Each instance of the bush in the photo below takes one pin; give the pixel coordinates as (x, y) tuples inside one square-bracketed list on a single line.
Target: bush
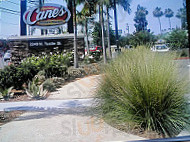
[(142, 38), (177, 39), (184, 53), (49, 85), (143, 89), (36, 91), (92, 69), (52, 65), (75, 72), (58, 81), (16, 76)]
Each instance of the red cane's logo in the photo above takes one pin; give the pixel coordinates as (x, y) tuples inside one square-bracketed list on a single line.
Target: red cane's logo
[(50, 15)]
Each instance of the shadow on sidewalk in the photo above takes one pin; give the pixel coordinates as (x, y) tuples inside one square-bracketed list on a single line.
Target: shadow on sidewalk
[(41, 112)]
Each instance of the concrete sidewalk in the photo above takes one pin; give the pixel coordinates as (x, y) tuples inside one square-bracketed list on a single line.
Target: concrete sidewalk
[(43, 105), (62, 118)]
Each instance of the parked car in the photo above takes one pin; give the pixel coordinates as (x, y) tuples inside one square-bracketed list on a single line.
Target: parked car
[(160, 48), (93, 49), (7, 55)]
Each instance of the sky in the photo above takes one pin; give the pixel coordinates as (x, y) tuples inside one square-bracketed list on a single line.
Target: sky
[(9, 23)]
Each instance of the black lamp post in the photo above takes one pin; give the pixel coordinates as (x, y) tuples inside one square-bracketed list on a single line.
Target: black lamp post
[(116, 27), (188, 22), (22, 24)]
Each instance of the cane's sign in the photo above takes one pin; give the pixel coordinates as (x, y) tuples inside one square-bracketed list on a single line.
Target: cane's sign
[(48, 16)]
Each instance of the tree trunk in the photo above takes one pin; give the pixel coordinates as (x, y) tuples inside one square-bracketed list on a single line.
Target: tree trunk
[(188, 21), (70, 27), (108, 32), (160, 25), (75, 36), (103, 40), (86, 33)]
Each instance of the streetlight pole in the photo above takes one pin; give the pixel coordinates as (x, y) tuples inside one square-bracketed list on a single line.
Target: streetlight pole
[(116, 26), (188, 22), (23, 30), (41, 2)]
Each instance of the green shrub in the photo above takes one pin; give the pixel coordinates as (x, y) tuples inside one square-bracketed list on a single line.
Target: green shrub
[(36, 91), (184, 53), (6, 93), (16, 76), (177, 39), (92, 69), (58, 81), (54, 65), (49, 85), (75, 72), (143, 89)]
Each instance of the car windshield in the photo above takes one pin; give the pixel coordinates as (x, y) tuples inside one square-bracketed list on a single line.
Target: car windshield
[(7, 55), (161, 47), (99, 48)]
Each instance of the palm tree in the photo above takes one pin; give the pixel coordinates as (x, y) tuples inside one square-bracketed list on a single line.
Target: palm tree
[(168, 14), (182, 15), (102, 28), (126, 5), (140, 19), (158, 13), (74, 3), (108, 31), (107, 4), (83, 18)]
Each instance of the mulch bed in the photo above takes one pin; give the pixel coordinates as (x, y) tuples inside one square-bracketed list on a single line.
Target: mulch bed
[(17, 98), (9, 116), (20, 96)]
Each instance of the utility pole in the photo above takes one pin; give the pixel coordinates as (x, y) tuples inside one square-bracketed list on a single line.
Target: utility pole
[(23, 30), (116, 26), (70, 27), (188, 22), (41, 2)]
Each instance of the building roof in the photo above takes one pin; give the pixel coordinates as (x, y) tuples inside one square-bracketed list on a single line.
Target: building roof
[(41, 37)]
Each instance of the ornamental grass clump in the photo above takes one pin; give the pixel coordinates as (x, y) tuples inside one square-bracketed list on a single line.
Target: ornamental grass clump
[(143, 89)]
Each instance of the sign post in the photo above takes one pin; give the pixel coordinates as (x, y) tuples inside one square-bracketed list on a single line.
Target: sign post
[(22, 23)]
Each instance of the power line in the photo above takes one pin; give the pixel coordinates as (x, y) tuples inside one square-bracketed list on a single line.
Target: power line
[(11, 2), (9, 10)]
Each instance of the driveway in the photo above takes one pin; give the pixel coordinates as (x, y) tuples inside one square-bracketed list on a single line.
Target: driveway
[(67, 116)]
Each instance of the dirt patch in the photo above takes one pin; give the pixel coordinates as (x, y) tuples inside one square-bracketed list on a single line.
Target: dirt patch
[(135, 131), (9, 116)]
